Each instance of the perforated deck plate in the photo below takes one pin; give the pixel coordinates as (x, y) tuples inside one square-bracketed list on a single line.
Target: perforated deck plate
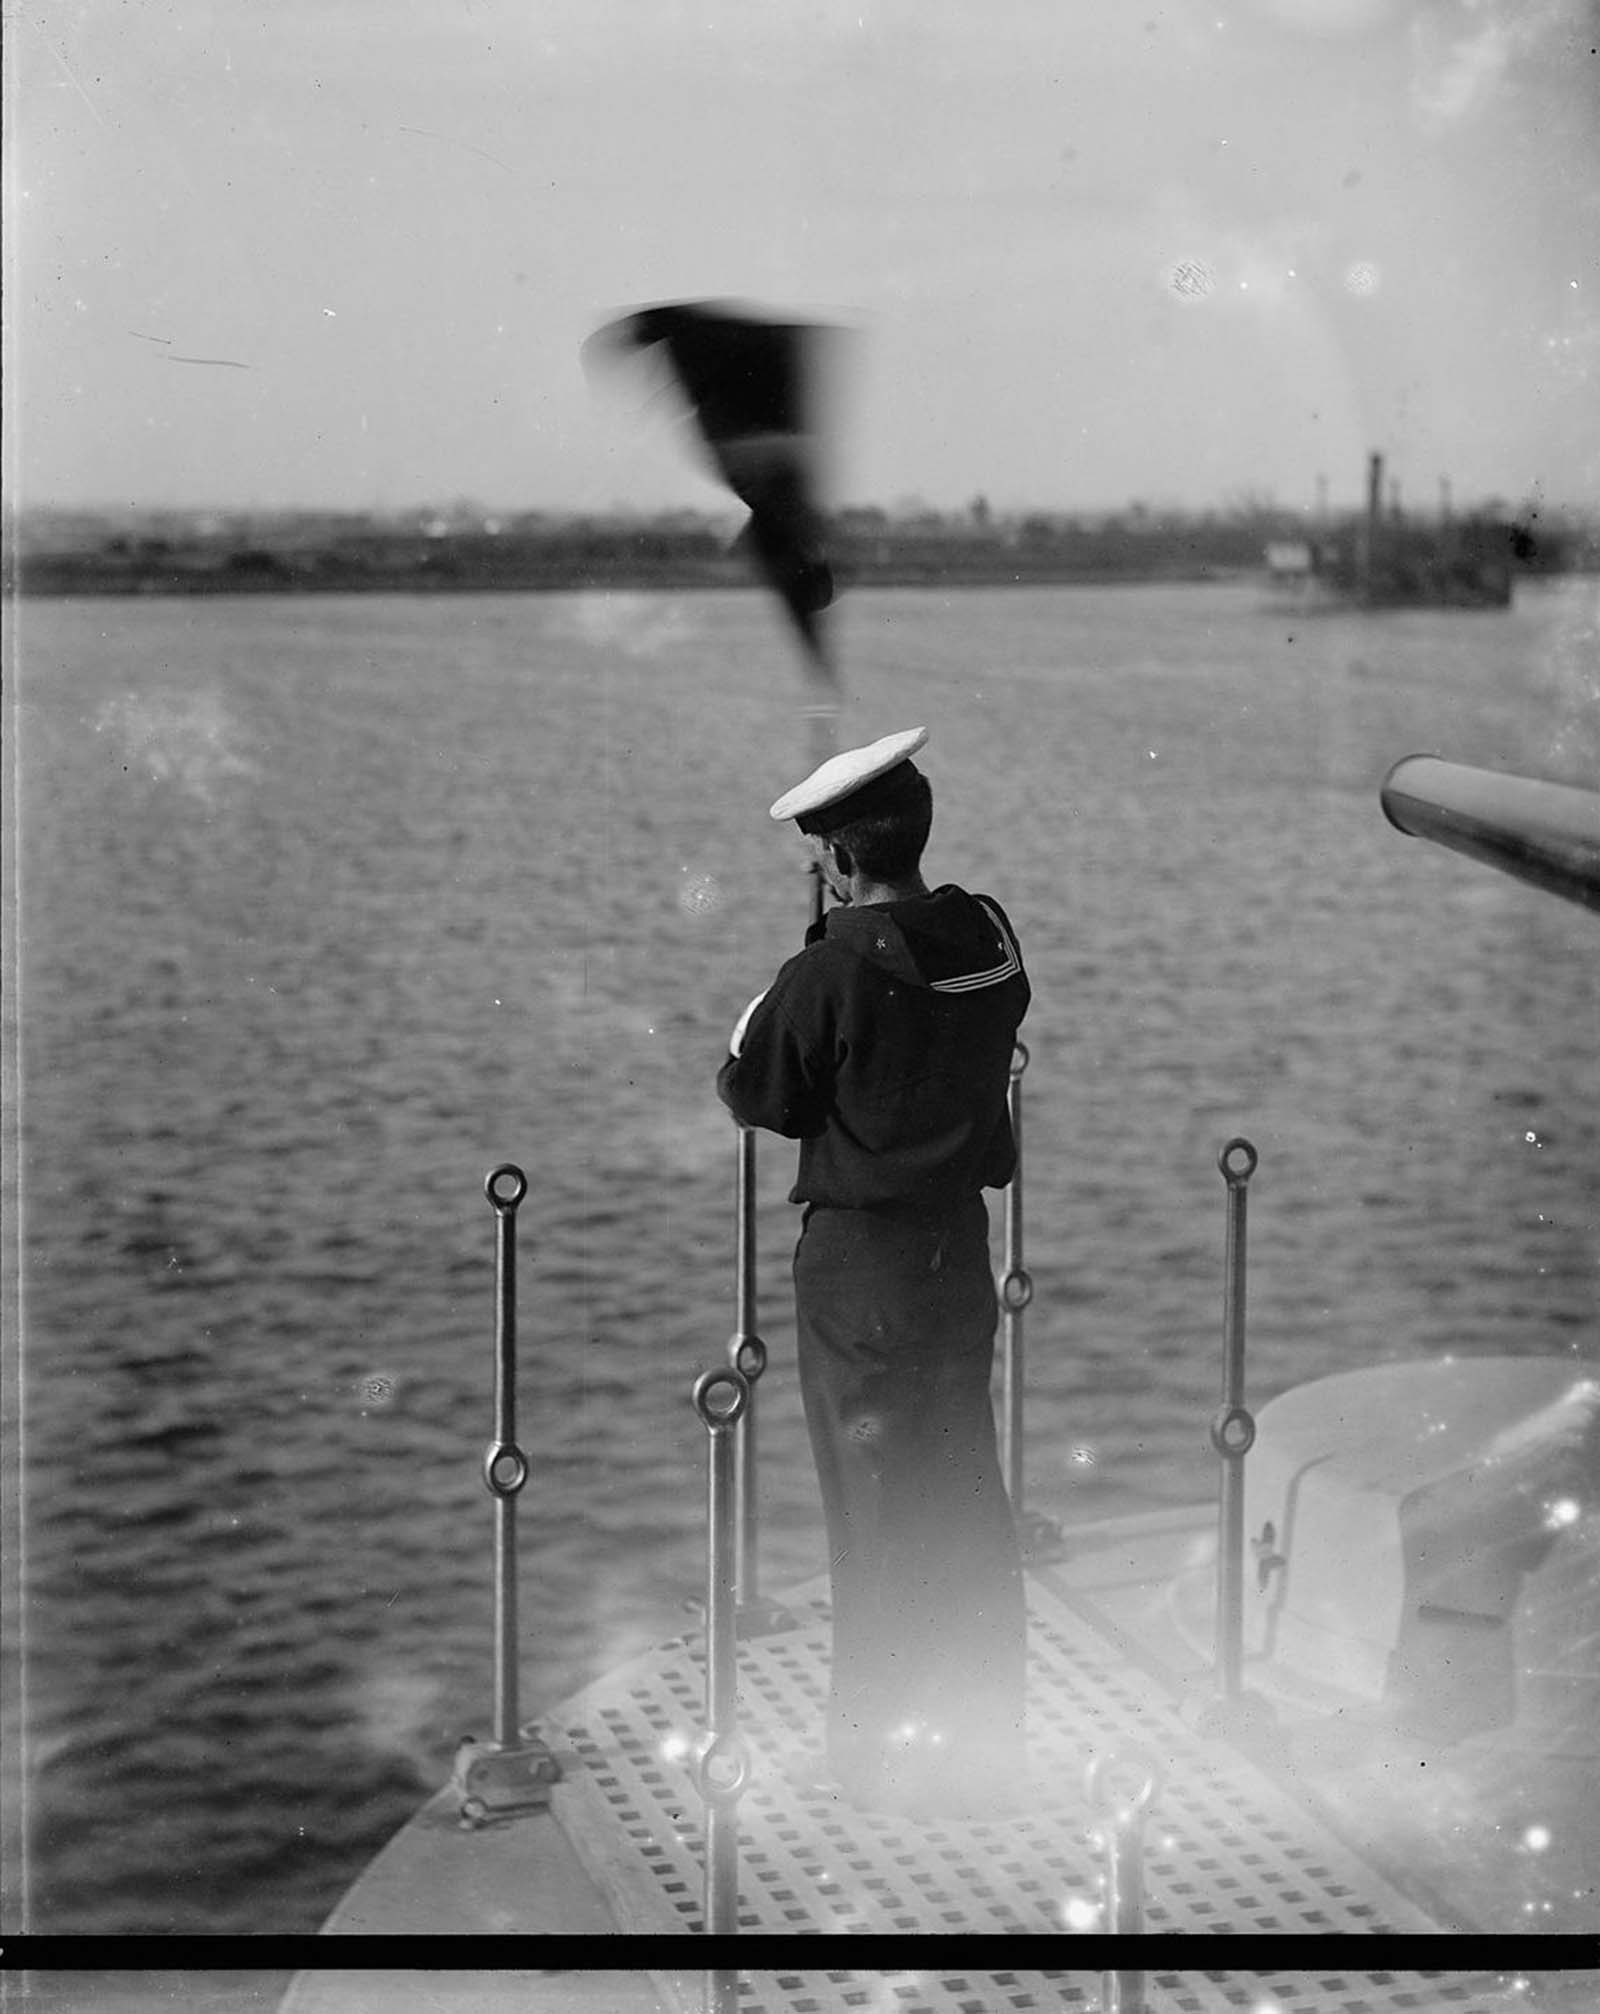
[(952, 1991), (1226, 1851)]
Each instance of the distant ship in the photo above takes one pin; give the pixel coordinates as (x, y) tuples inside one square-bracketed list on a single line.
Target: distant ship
[(1386, 560)]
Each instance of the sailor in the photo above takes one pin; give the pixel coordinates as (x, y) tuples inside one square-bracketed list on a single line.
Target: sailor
[(885, 1048)]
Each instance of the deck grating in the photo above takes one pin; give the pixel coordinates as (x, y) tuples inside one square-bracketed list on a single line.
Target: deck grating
[(934, 1991), (1227, 1852)]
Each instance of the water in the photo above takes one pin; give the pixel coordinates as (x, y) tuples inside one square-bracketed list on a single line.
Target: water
[(329, 905)]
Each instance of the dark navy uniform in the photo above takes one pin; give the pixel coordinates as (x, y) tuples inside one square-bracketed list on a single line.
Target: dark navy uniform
[(885, 1048)]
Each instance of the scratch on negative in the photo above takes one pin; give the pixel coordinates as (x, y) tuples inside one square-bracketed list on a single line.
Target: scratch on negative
[(72, 75), (450, 141), (225, 363)]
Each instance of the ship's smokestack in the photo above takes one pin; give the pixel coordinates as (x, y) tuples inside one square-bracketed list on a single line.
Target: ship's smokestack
[(1367, 542)]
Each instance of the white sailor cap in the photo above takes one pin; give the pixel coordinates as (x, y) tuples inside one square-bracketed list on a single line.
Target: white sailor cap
[(828, 797)]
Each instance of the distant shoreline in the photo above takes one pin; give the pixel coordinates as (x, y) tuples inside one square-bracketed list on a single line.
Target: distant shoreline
[(43, 582), (268, 555)]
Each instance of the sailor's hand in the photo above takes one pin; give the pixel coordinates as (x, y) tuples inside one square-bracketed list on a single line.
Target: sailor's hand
[(736, 1039)]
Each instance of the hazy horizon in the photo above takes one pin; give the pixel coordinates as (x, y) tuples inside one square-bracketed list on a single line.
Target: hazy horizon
[(344, 255), (730, 513)]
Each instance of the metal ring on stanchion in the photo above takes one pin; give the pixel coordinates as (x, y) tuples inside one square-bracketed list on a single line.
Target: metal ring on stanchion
[(708, 1382), (499, 1485), (1233, 1432), (491, 1186), (722, 1767), (723, 1763), (749, 1357), (1120, 1814)]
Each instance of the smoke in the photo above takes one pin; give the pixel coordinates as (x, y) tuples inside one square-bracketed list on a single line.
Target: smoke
[(186, 739), (1329, 17), (1453, 81), (1464, 52), (1554, 1434), (637, 624), (393, 1712)]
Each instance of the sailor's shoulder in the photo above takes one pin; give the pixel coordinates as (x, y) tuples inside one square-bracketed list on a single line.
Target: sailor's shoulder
[(1000, 922), (816, 969), (990, 902)]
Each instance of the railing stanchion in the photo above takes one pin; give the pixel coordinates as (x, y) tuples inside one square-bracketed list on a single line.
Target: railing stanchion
[(505, 1465), (1120, 1817), (721, 1993), (1039, 1536), (513, 1773), (747, 1353), (722, 1760), (1016, 1291), (1233, 1428), (1232, 1711)]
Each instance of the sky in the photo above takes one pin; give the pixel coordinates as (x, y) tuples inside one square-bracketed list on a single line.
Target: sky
[(344, 253)]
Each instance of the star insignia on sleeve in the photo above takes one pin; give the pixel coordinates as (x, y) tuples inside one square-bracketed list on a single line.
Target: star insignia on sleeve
[(883, 943)]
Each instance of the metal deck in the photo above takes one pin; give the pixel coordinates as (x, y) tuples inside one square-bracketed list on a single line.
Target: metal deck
[(943, 1989), (1335, 1836), (1228, 1852), (954, 1991)]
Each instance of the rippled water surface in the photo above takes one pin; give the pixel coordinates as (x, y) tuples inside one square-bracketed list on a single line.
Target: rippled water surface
[(328, 905)]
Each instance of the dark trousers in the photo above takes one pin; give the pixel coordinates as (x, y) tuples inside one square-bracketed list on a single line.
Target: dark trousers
[(896, 1324)]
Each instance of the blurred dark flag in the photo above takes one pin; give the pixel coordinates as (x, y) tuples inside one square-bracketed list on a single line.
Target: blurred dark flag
[(754, 387)]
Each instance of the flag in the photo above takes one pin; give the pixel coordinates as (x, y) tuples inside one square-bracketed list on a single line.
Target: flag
[(753, 386)]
